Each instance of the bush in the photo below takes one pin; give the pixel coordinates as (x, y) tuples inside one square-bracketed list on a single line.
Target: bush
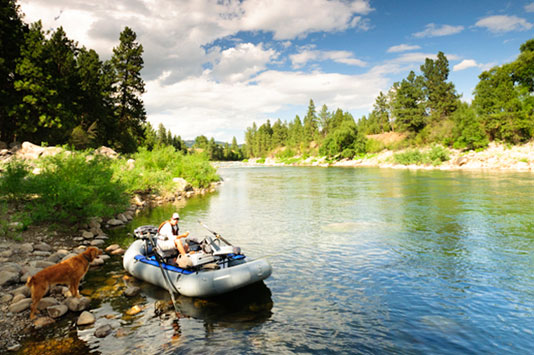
[(14, 182), (285, 154), (410, 156), (435, 156)]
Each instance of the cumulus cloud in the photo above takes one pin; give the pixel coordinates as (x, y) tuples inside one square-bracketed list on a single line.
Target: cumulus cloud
[(308, 54), (402, 48), (503, 23), (529, 7), (432, 30), (465, 64)]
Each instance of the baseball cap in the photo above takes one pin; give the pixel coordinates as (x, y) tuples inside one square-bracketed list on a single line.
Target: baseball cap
[(175, 216)]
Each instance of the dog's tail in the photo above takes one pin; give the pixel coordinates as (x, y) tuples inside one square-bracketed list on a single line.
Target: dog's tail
[(30, 282)]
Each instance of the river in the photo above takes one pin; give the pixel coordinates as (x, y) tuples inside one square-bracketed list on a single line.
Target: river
[(364, 261)]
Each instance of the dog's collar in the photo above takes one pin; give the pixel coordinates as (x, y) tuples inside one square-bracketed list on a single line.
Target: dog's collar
[(88, 258)]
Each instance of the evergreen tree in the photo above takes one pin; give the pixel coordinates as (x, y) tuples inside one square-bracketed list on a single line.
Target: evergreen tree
[(162, 134), (441, 96), (151, 137), (295, 132), (128, 62), (381, 112), (310, 123), (280, 134), (324, 120), (408, 105)]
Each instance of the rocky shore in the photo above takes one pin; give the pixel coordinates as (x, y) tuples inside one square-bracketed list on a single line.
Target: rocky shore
[(37, 248), (496, 157)]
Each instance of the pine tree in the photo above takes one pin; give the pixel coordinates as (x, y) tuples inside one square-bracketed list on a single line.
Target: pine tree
[(408, 106), (310, 123), (441, 96)]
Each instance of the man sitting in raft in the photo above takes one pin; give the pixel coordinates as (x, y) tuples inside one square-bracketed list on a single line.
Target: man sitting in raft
[(170, 241)]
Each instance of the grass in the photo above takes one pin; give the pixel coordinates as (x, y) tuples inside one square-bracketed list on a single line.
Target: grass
[(435, 156), (74, 186)]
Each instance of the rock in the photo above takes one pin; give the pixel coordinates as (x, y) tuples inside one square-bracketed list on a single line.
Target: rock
[(51, 151), (6, 298), (78, 239), (87, 235), (102, 237), (461, 161), (68, 256), (12, 267), (30, 151), (130, 164), (134, 310), (77, 304), (129, 215), (6, 253), (26, 248), (20, 306), (41, 264), (94, 223), (42, 322), (97, 242), (57, 311), (18, 297), (56, 257), (108, 152), (122, 217), (15, 226), (97, 231), (182, 185), (97, 262), (115, 222), (86, 318), (42, 247), (138, 201), (8, 278), (112, 247), (22, 290), (46, 302), (104, 257), (103, 331), (41, 253), (132, 291), (14, 347), (119, 251)]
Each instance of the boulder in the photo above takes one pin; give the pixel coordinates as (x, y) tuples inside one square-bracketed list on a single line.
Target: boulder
[(12, 267), (18, 297), (51, 151), (22, 290), (46, 302), (77, 304), (103, 331), (132, 291), (6, 298), (182, 185), (107, 152), (8, 278), (56, 257), (68, 256), (461, 161), (119, 251), (57, 311), (26, 247), (42, 322), (20, 306), (86, 318), (112, 247), (115, 222), (42, 247), (97, 242), (41, 264), (87, 235), (30, 151)]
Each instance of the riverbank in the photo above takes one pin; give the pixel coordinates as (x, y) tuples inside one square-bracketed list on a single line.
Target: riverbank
[(495, 157)]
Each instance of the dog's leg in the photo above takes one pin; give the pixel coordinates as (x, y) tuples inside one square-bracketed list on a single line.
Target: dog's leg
[(37, 294)]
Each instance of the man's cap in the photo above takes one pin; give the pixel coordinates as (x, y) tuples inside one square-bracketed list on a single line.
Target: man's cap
[(175, 216)]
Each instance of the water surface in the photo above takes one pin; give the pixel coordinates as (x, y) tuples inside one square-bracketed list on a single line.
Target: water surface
[(364, 261)]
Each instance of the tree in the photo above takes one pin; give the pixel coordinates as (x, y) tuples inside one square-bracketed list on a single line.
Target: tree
[(381, 112), (280, 134), (441, 96), (468, 131), (12, 31), (324, 120), (408, 105), (128, 62), (295, 132), (310, 123), (346, 140)]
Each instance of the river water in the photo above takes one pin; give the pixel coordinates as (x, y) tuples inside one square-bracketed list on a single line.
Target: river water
[(364, 261)]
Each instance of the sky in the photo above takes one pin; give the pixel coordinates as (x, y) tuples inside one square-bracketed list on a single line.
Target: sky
[(213, 67)]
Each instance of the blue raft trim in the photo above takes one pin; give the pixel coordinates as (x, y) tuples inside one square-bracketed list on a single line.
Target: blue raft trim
[(143, 259)]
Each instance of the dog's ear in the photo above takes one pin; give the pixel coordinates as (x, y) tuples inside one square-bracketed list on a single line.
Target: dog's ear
[(93, 252)]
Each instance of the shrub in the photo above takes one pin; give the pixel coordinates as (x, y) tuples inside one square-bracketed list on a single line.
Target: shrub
[(408, 157), (14, 183), (437, 155)]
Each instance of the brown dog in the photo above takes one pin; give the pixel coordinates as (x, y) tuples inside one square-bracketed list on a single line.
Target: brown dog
[(68, 272)]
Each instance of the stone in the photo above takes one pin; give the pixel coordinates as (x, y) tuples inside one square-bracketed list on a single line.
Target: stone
[(30, 151), (56, 257), (12, 267), (8, 278), (182, 185), (86, 318), (46, 302), (130, 164), (42, 247), (76, 304), (119, 251), (461, 161), (14, 347), (94, 223), (115, 222), (57, 311), (87, 235), (23, 290), (20, 306), (6, 253), (78, 239), (41, 253), (103, 331), (102, 237), (108, 152), (18, 297), (104, 257), (122, 217), (68, 256), (42, 322), (97, 242), (41, 264), (6, 298), (112, 247), (26, 248), (129, 215), (132, 291), (97, 262), (15, 226)]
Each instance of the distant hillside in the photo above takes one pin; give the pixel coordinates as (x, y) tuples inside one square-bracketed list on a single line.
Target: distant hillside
[(191, 142)]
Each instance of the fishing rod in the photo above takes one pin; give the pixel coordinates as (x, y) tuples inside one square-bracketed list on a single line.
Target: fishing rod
[(217, 235)]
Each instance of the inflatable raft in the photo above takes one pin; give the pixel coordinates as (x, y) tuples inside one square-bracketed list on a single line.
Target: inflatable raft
[(216, 269)]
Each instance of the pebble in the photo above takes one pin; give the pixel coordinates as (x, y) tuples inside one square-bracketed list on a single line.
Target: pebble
[(97, 242), (57, 311), (86, 318), (87, 235), (103, 331)]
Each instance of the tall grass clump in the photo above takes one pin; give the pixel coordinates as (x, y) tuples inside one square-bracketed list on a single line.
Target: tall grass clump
[(154, 170), (69, 187)]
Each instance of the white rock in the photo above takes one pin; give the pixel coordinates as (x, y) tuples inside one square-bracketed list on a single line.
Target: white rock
[(112, 247), (86, 318), (87, 235), (115, 222), (42, 322), (97, 242)]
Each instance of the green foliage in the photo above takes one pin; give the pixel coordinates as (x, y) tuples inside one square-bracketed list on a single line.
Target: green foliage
[(374, 146), (468, 131), (346, 139), (13, 181), (435, 156), (408, 104), (285, 154), (260, 161)]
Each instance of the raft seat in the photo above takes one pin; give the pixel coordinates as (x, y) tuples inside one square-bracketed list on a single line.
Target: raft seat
[(152, 261)]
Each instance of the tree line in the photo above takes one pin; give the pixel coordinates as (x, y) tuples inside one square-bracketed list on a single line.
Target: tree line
[(425, 108), (54, 92)]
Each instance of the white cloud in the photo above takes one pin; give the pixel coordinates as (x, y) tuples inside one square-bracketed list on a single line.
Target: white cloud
[(465, 64), (308, 55), (529, 7), (431, 30), (402, 48), (503, 23)]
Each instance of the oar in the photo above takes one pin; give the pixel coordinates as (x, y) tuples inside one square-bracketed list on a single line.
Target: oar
[(165, 276), (217, 235)]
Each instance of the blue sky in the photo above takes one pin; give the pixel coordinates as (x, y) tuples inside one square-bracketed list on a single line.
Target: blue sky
[(213, 67)]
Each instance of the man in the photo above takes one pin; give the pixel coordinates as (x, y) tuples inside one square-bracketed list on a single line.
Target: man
[(169, 239)]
